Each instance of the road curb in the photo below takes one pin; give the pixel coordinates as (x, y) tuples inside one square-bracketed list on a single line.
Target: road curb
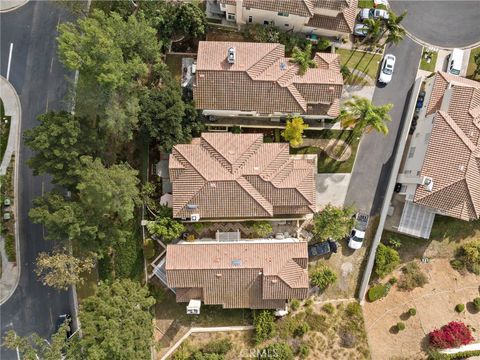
[(428, 45), (16, 6), (15, 191)]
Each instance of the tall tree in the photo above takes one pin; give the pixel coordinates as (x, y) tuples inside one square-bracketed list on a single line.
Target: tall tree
[(333, 222), (396, 33), (476, 60), (116, 323), (190, 19), (33, 347), (375, 29), (61, 270), (99, 213), (113, 50), (166, 228), (362, 115), (58, 143), (294, 130), (303, 58)]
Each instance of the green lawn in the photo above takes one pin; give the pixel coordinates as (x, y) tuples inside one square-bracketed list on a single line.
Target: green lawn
[(325, 163), (174, 63), (447, 234), (359, 60), (365, 4), (471, 63), (431, 65), (4, 129)]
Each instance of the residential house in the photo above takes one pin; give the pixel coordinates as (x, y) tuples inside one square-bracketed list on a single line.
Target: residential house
[(237, 176), (320, 17), (441, 173), (248, 274), (258, 80)]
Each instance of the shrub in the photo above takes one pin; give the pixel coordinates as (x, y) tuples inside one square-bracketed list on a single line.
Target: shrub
[(303, 351), (345, 71), (412, 311), (220, 347), (376, 292), (301, 329), (148, 248), (323, 44), (190, 237), (128, 258), (457, 264), (262, 228), (454, 334), (294, 304), (317, 322), (308, 303), (394, 243), (277, 351), (412, 277), (10, 248), (323, 276), (236, 130), (328, 308), (476, 303), (347, 338), (469, 254), (264, 326), (354, 310), (459, 308), (400, 326), (393, 280), (386, 260)]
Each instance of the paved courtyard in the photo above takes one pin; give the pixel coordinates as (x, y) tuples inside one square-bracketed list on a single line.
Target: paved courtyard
[(331, 189)]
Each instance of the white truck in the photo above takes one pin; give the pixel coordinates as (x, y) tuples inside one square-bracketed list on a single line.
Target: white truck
[(357, 235)]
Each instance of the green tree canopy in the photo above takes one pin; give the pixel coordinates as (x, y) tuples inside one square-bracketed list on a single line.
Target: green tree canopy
[(116, 323), (166, 228), (362, 115), (262, 228), (396, 33), (99, 213), (58, 143), (33, 347), (303, 58), (113, 50), (294, 130), (333, 222)]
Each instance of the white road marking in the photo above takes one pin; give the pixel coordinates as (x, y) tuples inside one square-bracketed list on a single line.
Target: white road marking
[(51, 65), (9, 60)]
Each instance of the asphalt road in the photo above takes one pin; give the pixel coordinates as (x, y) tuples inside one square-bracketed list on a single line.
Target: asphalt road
[(445, 24), (41, 83), (374, 160)]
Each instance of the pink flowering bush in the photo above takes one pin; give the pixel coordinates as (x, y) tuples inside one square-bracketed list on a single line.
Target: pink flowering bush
[(452, 335)]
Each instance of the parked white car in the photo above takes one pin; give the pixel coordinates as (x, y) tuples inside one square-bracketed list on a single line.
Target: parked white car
[(373, 14), (360, 30), (355, 240), (386, 71)]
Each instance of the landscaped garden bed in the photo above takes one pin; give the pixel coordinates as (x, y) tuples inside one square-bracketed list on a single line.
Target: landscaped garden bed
[(4, 129), (429, 60), (471, 63)]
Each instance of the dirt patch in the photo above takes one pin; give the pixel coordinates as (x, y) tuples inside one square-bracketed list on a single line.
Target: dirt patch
[(435, 304)]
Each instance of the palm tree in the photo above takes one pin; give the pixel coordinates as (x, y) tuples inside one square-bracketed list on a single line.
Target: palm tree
[(303, 58), (374, 30), (396, 33), (363, 116)]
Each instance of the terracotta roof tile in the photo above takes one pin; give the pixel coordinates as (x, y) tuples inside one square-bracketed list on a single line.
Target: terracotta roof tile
[(343, 22), (239, 275), (452, 159), (224, 175), (260, 69)]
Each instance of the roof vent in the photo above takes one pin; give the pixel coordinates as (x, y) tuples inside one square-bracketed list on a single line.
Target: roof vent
[(428, 183), (213, 185), (461, 168), (283, 66), (231, 55), (274, 281), (192, 206), (331, 88), (218, 275), (236, 262), (256, 168)]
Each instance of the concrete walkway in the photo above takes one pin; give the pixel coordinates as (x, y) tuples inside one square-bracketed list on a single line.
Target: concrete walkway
[(12, 106), (10, 5), (9, 274)]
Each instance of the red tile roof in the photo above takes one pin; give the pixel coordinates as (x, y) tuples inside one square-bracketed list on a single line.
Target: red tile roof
[(452, 159), (343, 22), (224, 175), (263, 80), (257, 275)]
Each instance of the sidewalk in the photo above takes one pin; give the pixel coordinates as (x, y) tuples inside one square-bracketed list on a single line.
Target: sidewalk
[(10, 5), (12, 106), (10, 271)]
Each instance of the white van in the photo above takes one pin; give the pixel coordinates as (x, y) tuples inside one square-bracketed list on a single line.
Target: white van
[(455, 60)]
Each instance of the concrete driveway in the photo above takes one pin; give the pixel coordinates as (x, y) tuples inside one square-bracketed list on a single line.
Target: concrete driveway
[(331, 189), (445, 24)]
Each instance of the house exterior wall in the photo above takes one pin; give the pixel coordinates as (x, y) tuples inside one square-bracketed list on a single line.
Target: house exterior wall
[(238, 113), (321, 32)]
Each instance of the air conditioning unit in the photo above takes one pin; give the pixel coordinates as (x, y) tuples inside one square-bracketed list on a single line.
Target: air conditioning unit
[(195, 217), (193, 307), (427, 183)]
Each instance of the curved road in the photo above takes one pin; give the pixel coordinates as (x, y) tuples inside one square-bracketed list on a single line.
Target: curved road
[(444, 24), (41, 83)]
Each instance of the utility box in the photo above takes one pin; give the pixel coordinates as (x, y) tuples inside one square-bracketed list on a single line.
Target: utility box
[(193, 307)]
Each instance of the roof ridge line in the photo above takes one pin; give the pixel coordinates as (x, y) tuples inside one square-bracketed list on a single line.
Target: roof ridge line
[(458, 131), (471, 166), (244, 183)]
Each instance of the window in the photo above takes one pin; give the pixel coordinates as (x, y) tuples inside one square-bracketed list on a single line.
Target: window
[(250, 19), (283, 14), (287, 25), (411, 152), (266, 22), (231, 16)]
